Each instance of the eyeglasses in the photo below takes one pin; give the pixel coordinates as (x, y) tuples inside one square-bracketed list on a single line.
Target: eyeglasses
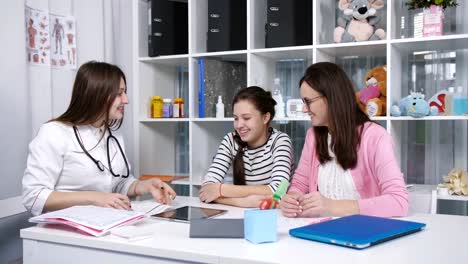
[(308, 102)]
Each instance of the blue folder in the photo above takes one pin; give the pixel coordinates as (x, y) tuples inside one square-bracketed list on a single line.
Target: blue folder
[(357, 231), (201, 89)]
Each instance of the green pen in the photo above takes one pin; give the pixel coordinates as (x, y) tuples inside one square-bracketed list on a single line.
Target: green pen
[(282, 188)]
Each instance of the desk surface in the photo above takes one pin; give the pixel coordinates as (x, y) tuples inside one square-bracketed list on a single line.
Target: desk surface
[(443, 241)]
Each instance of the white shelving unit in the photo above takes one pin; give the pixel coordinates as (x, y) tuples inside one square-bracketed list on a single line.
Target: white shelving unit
[(156, 140)]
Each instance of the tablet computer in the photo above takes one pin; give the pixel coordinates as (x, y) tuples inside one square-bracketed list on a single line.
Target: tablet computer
[(187, 213)]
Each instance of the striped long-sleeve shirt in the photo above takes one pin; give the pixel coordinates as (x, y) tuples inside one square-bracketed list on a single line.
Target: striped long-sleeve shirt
[(268, 164)]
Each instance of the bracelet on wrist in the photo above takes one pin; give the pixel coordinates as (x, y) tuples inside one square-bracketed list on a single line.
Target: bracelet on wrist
[(220, 193)]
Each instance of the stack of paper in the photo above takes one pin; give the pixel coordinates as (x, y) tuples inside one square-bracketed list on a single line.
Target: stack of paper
[(151, 207), (93, 220)]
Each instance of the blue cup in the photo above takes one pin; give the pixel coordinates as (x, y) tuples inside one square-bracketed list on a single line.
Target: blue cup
[(260, 226)]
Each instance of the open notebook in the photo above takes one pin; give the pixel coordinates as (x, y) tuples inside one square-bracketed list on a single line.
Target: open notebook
[(93, 220)]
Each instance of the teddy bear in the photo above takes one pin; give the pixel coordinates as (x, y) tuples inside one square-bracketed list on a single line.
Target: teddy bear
[(358, 21), (373, 98), (414, 105)]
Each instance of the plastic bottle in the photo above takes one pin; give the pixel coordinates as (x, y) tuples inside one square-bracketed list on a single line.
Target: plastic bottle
[(178, 107), (181, 107), (220, 108), (460, 102), (449, 101), (156, 107), (167, 108), (279, 107)]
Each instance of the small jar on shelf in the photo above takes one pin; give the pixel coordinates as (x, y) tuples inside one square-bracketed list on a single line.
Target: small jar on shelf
[(167, 108), (178, 108), (156, 107)]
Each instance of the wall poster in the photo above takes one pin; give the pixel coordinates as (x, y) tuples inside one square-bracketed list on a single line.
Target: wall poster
[(50, 39), (37, 37)]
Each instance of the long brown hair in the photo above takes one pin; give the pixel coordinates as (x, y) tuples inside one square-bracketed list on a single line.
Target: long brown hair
[(96, 86), (264, 103), (345, 118)]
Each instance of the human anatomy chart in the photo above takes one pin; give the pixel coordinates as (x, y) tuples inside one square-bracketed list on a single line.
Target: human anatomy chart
[(37, 37), (63, 41), (50, 39)]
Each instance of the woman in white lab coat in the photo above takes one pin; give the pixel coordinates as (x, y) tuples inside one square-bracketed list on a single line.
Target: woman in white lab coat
[(78, 158)]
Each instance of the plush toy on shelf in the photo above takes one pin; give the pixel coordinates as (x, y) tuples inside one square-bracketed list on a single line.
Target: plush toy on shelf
[(372, 99), (358, 21), (414, 105), (438, 100), (456, 182)]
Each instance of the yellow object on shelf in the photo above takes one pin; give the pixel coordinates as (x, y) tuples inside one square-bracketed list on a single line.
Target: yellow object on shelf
[(156, 107)]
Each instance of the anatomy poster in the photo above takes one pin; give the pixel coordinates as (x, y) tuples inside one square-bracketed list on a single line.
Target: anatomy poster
[(63, 41), (37, 37)]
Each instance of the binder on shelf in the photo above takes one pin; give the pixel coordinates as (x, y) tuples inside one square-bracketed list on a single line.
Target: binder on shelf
[(180, 19), (201, 89), (219, 78), (227, 25), (93, 220), (289, 23), (168, 26)]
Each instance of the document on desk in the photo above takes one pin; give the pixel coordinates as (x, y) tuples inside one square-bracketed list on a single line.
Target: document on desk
[(151, 207), (93, 220)]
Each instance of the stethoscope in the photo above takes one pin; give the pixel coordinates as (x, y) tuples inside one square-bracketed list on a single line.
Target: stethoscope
[(98, 162)]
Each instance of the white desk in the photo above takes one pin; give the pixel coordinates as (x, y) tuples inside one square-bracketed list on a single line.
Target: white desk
[(443, 241)]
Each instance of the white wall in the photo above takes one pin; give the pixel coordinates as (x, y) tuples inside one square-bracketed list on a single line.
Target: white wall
[(31, 95), (15, 115)]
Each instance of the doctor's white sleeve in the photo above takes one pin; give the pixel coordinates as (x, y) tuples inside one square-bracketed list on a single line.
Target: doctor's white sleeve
[(44, 164)]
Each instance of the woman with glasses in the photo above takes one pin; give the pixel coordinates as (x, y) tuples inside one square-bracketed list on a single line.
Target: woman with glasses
[(261, 156), (347, 164), (75, 159)]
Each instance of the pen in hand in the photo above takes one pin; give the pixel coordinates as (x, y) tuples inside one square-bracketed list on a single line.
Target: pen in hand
[(167, 196)]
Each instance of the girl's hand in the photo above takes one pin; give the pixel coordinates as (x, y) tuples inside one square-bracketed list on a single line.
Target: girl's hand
[(290, 204), (210, 192), (253, 201)]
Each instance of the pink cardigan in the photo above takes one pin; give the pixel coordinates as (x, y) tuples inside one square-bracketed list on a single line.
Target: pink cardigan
[(377, 176)]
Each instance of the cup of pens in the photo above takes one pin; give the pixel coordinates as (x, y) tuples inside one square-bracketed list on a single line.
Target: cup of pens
[(273, 202), (260, 225)]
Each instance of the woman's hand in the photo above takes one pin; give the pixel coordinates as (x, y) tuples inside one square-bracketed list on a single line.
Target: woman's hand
[(314, 205), (161, 192), (112, 200), (290, 204), (210, 192)]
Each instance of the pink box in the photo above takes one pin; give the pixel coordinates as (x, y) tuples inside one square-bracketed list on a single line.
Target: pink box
[(433, 18)]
